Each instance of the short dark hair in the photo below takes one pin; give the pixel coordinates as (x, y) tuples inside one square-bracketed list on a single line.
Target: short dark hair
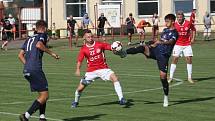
[(41, 23), (87, 31), (130, 14), (170, 17)]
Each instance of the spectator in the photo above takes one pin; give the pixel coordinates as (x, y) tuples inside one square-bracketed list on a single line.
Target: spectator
[(155, 27), (130, 27), (53, 31), (207, 23), (101, 23), (6, 34), (140, 29), (12, 21), (85, 22), (71, 30)]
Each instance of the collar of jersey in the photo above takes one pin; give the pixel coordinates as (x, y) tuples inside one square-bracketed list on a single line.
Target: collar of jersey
[(91, 45)]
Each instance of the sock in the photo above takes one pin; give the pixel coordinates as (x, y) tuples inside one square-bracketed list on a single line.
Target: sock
[(34, 107), (42, 116), (172, 70), (27, 115), (135, 50), (165, 85), (189, 70), (77, 96), (118, 89), (43, 109)]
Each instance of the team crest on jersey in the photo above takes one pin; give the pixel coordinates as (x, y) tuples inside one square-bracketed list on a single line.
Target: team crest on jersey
[(186, 28), (98, 50)]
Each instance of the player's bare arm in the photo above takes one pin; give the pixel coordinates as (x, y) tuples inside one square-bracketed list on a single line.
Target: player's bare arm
[(193, 37), (78, 67), (22, 56), (42, 47)]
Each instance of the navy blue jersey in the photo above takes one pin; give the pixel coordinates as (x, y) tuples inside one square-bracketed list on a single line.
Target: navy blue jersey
[(167, 35), (33, 55)]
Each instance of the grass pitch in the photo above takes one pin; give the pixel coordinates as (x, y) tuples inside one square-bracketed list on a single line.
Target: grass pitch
[(139, 79)]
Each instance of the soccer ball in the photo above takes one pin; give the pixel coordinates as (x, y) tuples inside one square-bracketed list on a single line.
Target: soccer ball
[(117, 46)]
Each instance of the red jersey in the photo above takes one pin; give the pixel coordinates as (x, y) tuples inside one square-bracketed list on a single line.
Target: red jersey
[(192, 17), (184, 33), (141, 24), (95, 55)]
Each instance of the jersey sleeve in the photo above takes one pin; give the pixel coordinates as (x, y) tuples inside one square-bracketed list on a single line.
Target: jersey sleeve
[(192, 27), (23, 46), (174, 35), (80, 55), (43, 38), (99, 19), (106, 46)]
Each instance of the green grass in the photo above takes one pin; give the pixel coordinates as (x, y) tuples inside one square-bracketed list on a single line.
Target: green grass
[(99, 103)]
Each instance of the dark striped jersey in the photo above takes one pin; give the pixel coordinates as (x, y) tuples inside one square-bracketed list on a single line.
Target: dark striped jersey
[(33, 55)]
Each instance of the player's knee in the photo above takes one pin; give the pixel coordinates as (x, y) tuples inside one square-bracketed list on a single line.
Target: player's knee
[(175, 60), (85, 82)]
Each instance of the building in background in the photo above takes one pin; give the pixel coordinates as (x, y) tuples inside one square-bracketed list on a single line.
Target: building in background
[(59, 10)]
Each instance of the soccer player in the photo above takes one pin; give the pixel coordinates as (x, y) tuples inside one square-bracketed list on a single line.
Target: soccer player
[(101, 23), (30, 55), (93, 51), (186, 37), (71, 30), (140, 29), (159, 50), (130, 27)]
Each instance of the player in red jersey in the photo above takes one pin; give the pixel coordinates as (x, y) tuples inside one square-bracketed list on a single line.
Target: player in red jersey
[(97, 67), (193, 16), (187, 32)]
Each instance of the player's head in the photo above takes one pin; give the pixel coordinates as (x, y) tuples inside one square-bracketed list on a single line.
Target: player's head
[(194, 10), (207, 14), (7, 22), (88, 37), (41, 26), (169, 20), (155, 15), (71, 17), (130, 15), (102, 14), (86, 15), (180, 17)]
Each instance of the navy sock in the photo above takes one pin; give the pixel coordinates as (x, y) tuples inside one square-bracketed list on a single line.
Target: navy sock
[(135, 50), (165, 85), (43, 109), (34, 107)]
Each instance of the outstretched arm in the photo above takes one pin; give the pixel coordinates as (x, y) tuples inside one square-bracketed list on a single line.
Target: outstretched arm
[(42, 47)]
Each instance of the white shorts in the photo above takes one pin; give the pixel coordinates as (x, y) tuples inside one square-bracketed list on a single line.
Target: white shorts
[(182, 50), (207, 31), (104, 74), (140, 31)]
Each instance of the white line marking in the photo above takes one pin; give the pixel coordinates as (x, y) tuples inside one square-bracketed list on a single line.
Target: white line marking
[(15, 114), (179, 82)]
